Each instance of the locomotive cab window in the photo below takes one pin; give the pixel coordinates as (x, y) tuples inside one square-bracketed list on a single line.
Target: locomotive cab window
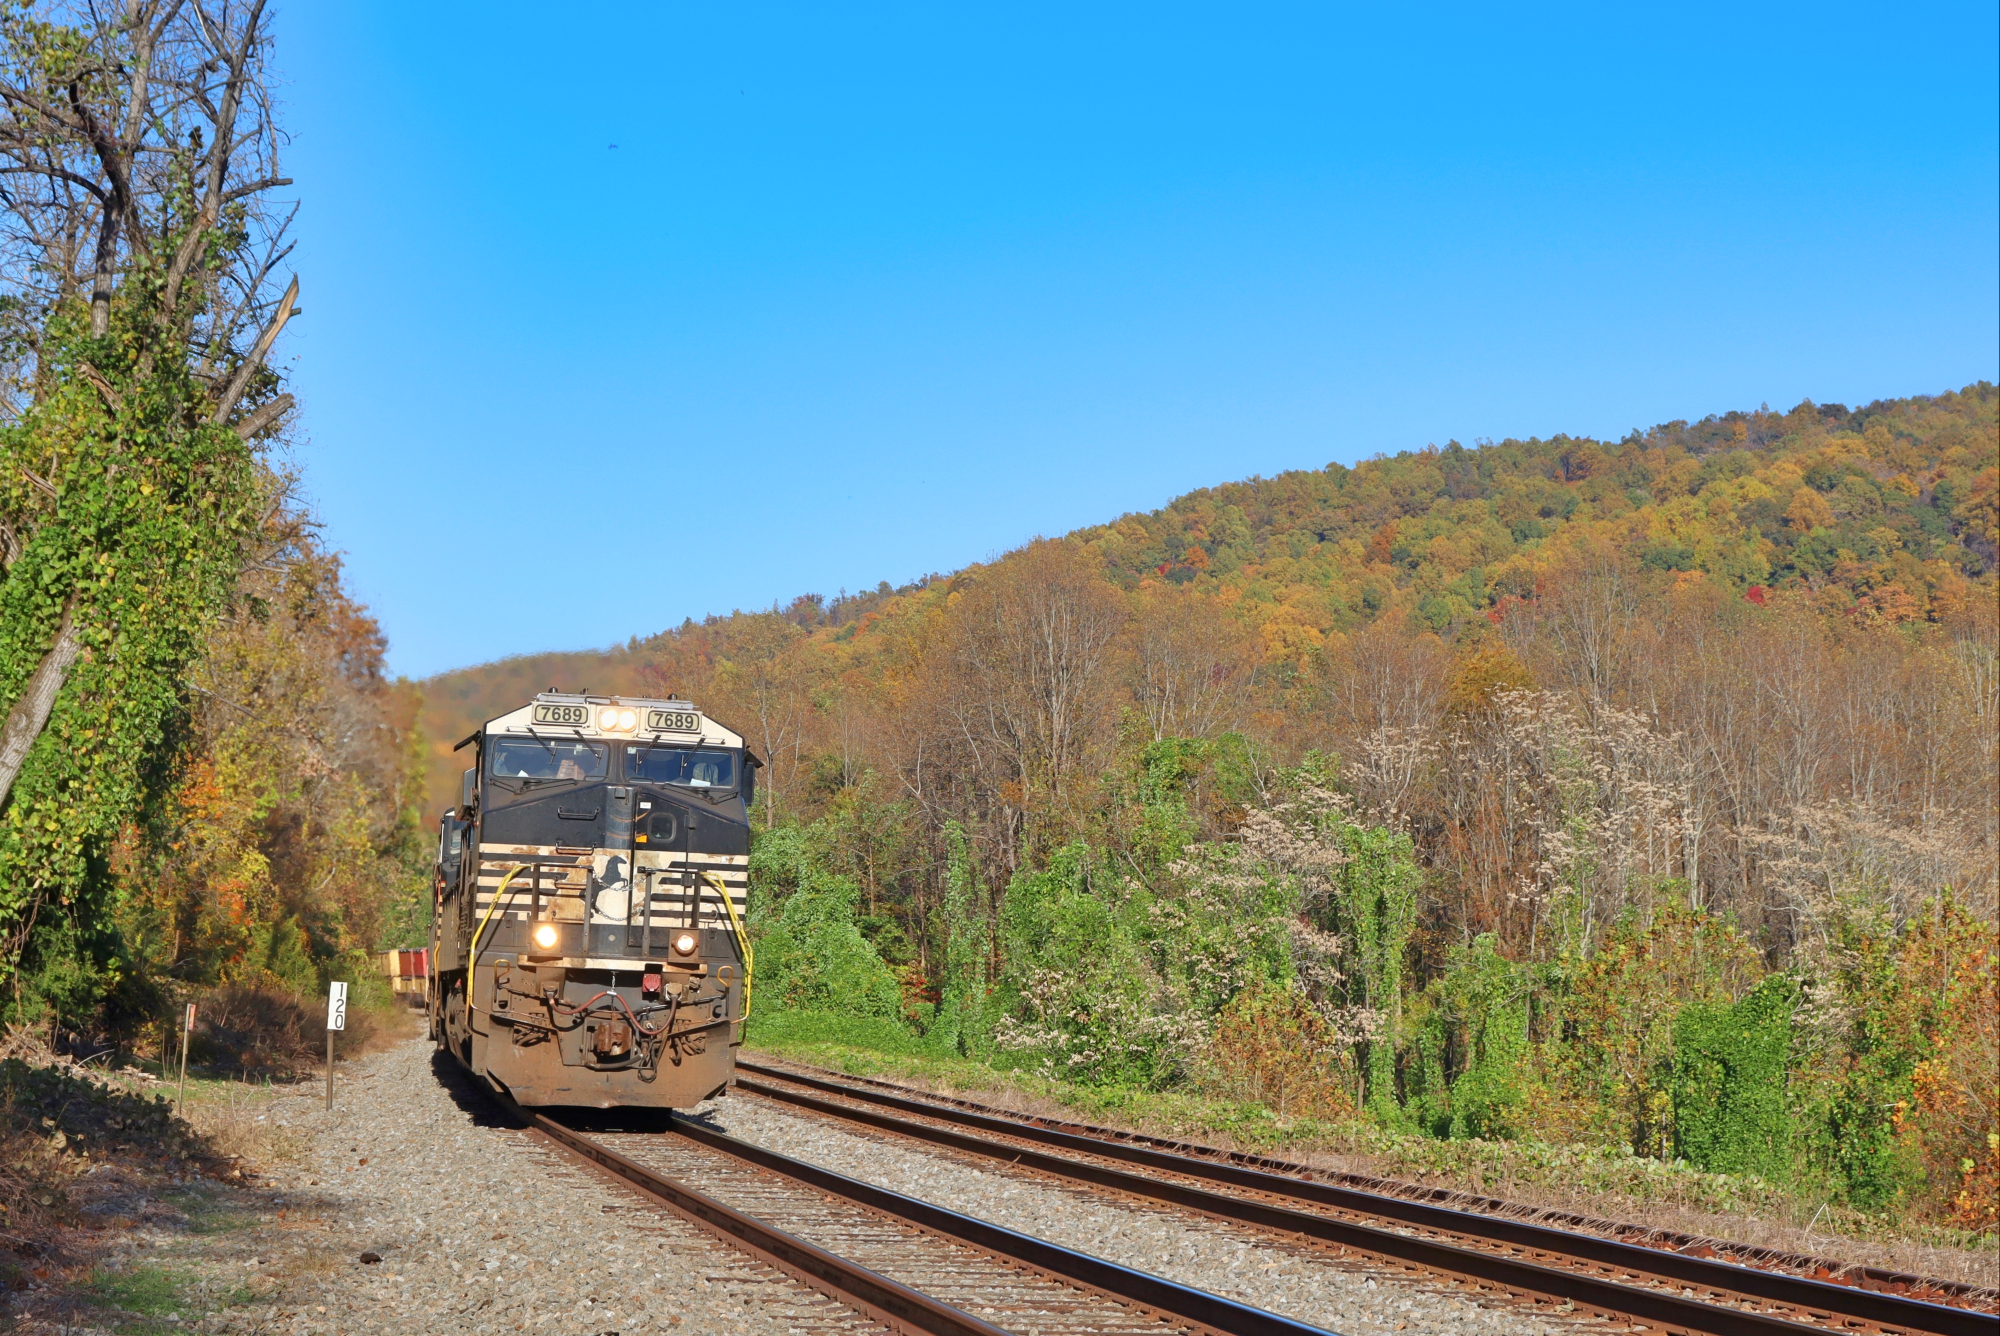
[(687, 767), (522, 763), (451, 838), (656, 825)]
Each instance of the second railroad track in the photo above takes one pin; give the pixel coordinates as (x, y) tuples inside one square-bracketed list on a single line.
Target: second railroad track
[(1661, 1289)]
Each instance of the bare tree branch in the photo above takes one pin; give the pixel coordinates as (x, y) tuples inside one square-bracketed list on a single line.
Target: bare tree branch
[(260, 418), (114, 400), (275, 326)]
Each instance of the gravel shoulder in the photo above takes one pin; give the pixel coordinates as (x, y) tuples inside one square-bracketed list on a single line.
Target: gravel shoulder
[(478, 1228)]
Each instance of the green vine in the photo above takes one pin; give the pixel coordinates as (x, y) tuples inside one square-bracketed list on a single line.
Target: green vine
[(134, 511)]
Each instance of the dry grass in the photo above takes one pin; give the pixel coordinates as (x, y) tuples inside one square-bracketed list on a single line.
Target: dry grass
[(60, 1119), (274, 1033), (150, 1212), (232, 1118)]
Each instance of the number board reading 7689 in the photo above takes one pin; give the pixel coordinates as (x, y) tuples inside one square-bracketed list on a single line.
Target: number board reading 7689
[(572, 716), (673, 721)]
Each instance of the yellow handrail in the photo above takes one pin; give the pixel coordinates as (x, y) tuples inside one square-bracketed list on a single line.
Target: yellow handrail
[(742, 938), (472, 951)]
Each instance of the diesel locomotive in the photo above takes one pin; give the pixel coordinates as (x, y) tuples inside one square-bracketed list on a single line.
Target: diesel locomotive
[(588, 944)]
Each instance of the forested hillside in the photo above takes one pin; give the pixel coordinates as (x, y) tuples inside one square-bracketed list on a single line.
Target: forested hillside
[(1881, 517), (1634, 793)]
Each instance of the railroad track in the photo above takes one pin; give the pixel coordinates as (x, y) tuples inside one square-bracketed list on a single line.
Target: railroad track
[(906, 1264), (1929, 1289), (1660, 1289)]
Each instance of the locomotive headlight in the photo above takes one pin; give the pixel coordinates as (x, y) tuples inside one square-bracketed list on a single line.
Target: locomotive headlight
[(545, 935), (607, 719), (684, 944), (627, 721)]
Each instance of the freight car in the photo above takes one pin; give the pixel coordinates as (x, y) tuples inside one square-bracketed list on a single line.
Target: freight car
[(587, 945), (407, 973)]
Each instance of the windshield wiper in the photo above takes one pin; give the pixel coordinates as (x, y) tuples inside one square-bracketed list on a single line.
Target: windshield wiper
[(522, 783)]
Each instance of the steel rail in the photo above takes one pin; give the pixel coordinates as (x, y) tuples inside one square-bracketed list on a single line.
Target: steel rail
[(897, 1306), (1198, 1308), (1559, 1283), (1928, 1289)]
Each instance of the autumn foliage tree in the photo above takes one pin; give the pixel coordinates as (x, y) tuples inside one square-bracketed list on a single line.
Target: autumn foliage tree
[(290, 842), (140, 255)]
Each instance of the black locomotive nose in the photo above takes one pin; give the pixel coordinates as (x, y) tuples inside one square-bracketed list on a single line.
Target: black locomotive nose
[(618, 819)]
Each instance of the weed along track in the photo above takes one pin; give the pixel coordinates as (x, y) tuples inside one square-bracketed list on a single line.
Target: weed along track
[(1655, 1287)]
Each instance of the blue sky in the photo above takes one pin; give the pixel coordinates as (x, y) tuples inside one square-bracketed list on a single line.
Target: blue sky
[(863, 293)]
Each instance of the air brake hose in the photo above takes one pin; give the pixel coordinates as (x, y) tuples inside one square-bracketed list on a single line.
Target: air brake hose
[(742, 938)]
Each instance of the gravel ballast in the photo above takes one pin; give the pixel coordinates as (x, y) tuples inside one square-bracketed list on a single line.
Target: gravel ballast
[(1226, 1259), (480, 1229), (416, 1209)]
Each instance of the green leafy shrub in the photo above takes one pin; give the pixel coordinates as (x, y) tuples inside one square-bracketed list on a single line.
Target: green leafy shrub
[(1896, 1101), (1273, 1047), (1083, 1000), (1730, 1066), (1469, 1068), (1606, 1028), (774, 1028), (962, 1022), (1375, 909), (811, 955)]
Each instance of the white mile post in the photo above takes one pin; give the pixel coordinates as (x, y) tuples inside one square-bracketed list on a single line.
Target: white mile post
[(336, 1019)]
